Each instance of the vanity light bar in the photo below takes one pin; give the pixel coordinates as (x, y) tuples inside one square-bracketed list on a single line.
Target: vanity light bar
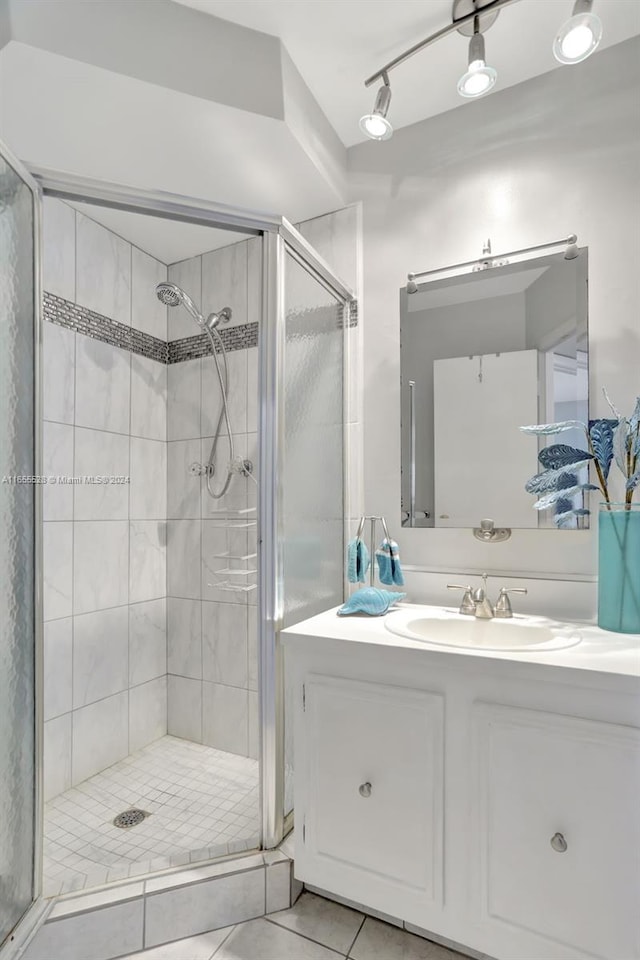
[(569, 242)]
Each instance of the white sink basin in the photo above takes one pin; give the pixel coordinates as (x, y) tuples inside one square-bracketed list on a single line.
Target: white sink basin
[(445, 628)]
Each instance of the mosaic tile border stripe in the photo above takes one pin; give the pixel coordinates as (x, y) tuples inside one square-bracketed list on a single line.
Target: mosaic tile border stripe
[(239, 337)]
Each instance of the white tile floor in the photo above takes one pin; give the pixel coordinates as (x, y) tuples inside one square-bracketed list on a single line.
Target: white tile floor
[(313, 929), (203, 803)]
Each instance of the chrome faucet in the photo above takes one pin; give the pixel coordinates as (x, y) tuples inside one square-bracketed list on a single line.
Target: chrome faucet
[(476, 603)]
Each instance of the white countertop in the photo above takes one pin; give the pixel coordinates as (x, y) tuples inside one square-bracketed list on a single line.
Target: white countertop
[(599, 651)]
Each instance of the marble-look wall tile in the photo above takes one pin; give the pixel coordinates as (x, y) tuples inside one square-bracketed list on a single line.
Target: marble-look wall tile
[(183, 559), (334, 235), (101, 563), (59, 248), (236, 496), (184, 708), (218, 539), (278, 886), (57, 461), (147, 713), (224, 643), (188, 275), (148, 473), (58, 646), (224, 280), (147, 312), (103, 385), (57, 561), (225, 720), (58, 373), (103, 270), (100, 735), (147, 641), (184, 638), (101, 455), (57, 756), (183, 487), (100, 655), (210, 403), (252, 390), (183, 400), (147, 560), (148, 398)]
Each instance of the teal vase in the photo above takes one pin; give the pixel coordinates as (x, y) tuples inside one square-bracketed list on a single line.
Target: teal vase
[(619, 568)]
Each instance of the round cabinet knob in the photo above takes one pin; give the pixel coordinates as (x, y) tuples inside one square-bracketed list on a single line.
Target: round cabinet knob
[(558, 843), (364, 789)]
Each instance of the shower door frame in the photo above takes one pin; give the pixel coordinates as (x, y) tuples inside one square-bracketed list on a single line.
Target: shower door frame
[(278, 238)]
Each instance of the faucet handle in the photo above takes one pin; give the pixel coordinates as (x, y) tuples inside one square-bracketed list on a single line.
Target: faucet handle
[(467, 606), (503, 607)]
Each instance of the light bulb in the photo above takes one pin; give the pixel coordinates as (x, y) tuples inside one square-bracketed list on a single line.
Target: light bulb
[(478, 80), (577, 38), (375, 126)]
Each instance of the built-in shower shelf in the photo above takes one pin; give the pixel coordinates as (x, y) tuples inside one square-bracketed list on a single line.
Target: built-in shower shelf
[(234, 587), (232, 556), (234, 571)]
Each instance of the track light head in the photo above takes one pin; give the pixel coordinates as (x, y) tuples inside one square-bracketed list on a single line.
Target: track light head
[(579, 36), (572, 250), (375, 125), (479, 78)]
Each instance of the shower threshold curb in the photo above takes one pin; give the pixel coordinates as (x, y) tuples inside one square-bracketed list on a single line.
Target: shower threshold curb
[(75, 922)]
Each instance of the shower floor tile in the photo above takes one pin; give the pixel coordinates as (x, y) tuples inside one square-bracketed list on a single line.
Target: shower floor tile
[(202, 803)]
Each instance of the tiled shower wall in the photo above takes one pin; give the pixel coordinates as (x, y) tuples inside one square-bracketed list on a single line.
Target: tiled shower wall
[(212, 633), (104, 544)]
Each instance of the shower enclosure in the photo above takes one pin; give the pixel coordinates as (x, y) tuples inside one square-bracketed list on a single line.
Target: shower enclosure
[(265, 555)]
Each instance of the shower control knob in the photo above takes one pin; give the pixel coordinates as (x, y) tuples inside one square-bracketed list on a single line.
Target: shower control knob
[(558, 843), (364, 789), (197, 469)]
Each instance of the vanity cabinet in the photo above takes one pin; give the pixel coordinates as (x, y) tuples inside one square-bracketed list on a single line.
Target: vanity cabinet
[(493, 804), (372, 790), (557, 827)]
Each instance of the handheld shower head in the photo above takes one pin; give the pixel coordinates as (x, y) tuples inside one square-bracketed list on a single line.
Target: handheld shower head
[(173, 296)]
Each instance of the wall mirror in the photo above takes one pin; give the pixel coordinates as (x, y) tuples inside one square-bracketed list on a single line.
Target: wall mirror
[(484, 352)]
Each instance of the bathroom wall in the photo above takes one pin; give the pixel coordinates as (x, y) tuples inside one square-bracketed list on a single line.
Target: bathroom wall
[(104, 544), (212, 633), (555, 155)]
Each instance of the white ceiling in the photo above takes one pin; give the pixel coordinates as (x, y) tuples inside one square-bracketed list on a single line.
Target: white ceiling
[(336, 44)]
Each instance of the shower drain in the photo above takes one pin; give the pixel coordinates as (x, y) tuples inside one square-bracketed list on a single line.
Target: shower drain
[(129, 818)]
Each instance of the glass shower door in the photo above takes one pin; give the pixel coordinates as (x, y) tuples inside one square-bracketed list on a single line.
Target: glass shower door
[(19, 518), (302, 481)]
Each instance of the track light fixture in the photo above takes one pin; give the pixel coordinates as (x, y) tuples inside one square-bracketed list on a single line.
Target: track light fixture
[(479, 78), (375, 125), (579, 36), (575, 41)]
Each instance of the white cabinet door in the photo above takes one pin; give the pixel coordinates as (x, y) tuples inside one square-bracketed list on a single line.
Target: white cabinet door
[(371, 758), (544, 782)]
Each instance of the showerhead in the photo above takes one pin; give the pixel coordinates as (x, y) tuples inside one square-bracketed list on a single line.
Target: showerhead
[(173, 296)]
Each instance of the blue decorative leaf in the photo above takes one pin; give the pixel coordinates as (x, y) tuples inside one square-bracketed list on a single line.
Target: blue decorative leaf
[(550, 498), (564, 506), (550, 480), (564, 519), (634, 419), (621, 444), (601, 435), (562, 455), (546, 429), (634, 480)]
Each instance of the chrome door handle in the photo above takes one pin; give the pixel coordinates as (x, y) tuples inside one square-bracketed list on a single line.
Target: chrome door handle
[(364, 789), (558, 843)]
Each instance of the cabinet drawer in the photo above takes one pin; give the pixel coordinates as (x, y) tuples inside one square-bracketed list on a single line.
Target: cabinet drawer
[(374, 773), (542, 776)]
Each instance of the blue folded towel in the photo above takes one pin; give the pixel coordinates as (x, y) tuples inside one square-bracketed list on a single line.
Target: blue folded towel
[(388, 559), (357, 561), (370, 600)]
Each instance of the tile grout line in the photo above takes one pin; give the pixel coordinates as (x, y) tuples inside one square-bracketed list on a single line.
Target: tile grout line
[(303, 936), (348, 954)]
